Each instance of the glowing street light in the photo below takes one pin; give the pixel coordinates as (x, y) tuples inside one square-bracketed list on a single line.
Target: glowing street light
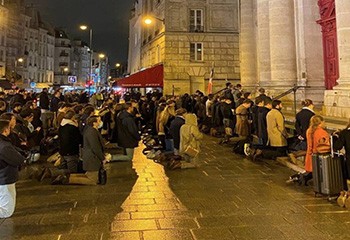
[(149, 20), (20, 60), (66, 69), (101, 55), (117, 65), (83, 27)]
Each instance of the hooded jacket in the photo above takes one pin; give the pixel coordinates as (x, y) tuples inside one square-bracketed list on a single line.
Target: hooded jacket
[(10, 160), (128, 134), (189, 133), (69, 138)]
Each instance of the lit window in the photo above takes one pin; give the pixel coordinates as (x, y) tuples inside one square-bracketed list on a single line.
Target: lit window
[(196, 52)]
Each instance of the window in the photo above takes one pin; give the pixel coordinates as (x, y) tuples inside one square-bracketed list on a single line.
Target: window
[(196, 20), (196, 52)]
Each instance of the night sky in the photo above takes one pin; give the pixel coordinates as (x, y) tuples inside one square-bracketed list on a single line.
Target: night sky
[(109, 20)]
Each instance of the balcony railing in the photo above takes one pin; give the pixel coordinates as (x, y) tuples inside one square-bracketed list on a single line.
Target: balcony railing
[(196, 28)]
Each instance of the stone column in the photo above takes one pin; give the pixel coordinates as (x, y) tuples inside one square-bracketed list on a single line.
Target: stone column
[(282, 44), (343, 31), (248, 45), (263, 42)]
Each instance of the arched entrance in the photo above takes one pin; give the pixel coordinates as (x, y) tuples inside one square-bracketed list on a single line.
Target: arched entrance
[(330, 42)]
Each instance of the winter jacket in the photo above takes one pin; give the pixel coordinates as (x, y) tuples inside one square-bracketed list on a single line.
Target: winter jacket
[(242, 125), (93, 150), (69, 138), (54, 104), (303, 121), (174, 130), (10, 160), (226, 110), (262, 125), (44, 101), (275, 129), (128, 135), (190, 134), (320, 136), (344, 141)]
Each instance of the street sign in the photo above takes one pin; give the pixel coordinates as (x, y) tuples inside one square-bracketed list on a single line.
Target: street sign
[(32, 84), (72, 79)]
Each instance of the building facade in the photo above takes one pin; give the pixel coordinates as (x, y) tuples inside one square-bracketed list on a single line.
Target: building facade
[(3, 38), (190, 38), (80, 62), (62, 60)]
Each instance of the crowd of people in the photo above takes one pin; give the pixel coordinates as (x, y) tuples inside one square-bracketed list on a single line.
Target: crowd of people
[(86, 124)]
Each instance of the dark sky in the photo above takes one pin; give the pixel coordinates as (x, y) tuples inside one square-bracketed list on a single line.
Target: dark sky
[(109, 20)]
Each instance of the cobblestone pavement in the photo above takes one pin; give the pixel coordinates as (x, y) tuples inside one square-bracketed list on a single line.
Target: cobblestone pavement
[(229, 197)]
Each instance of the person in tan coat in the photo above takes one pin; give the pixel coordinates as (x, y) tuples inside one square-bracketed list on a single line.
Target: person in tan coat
[(277, 134), (190, 136), (276, 130), (242, 125)]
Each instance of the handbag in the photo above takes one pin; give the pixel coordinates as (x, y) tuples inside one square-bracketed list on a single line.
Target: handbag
[(192, 152), (102, 176)]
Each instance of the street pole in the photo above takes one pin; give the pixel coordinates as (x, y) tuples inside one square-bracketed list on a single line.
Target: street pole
[(91, 53)]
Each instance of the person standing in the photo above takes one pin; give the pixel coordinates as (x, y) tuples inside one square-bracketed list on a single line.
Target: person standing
[(127, 134), (10, 160)]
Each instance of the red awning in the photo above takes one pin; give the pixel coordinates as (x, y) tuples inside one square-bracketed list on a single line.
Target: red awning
[(151, 77)]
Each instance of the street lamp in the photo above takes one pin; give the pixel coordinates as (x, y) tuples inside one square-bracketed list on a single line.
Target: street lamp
[(101, 55), (66, 69), (117, 65), (148, 20), (84, 28), (18, 60)]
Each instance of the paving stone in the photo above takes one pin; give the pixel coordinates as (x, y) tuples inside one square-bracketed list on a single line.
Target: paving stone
[(228, 197), (213, 233), (167, 234)]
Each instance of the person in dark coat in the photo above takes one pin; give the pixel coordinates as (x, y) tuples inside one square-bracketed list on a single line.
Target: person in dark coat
[(127, 134), (44, 101), (262, 123), (303, 119), (92, 154), (175, 128), (342, 139), (10, 160), (54, 101), (70, 141)]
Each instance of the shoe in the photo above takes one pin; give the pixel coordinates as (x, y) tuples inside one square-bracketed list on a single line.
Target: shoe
[(293, 158), (257, 154), (60, 180), (247, 149), (176, 165), (347, 200), (342, 198), (46, 173), (294, 178)]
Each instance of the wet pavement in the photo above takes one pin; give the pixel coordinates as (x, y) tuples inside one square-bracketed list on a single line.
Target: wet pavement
[(228, 197)]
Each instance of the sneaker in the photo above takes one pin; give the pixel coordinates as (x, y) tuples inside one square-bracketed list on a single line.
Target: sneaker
[(247, 150), (342, 198), (46, 173), (60, 180)]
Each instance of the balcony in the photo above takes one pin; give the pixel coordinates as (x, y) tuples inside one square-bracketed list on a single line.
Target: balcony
[(196, 28), (63, 64), (64, 54)]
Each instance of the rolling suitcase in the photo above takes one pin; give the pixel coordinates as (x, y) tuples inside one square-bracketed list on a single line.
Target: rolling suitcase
[(327, 173)]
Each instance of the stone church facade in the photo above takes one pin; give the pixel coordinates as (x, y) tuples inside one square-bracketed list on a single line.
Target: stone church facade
[(298, 43)]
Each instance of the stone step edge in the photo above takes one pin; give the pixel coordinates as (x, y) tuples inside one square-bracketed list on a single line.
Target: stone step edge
[(285, 161)]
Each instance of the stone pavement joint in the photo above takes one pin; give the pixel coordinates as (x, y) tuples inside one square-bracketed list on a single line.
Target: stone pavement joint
[(228, 197)]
